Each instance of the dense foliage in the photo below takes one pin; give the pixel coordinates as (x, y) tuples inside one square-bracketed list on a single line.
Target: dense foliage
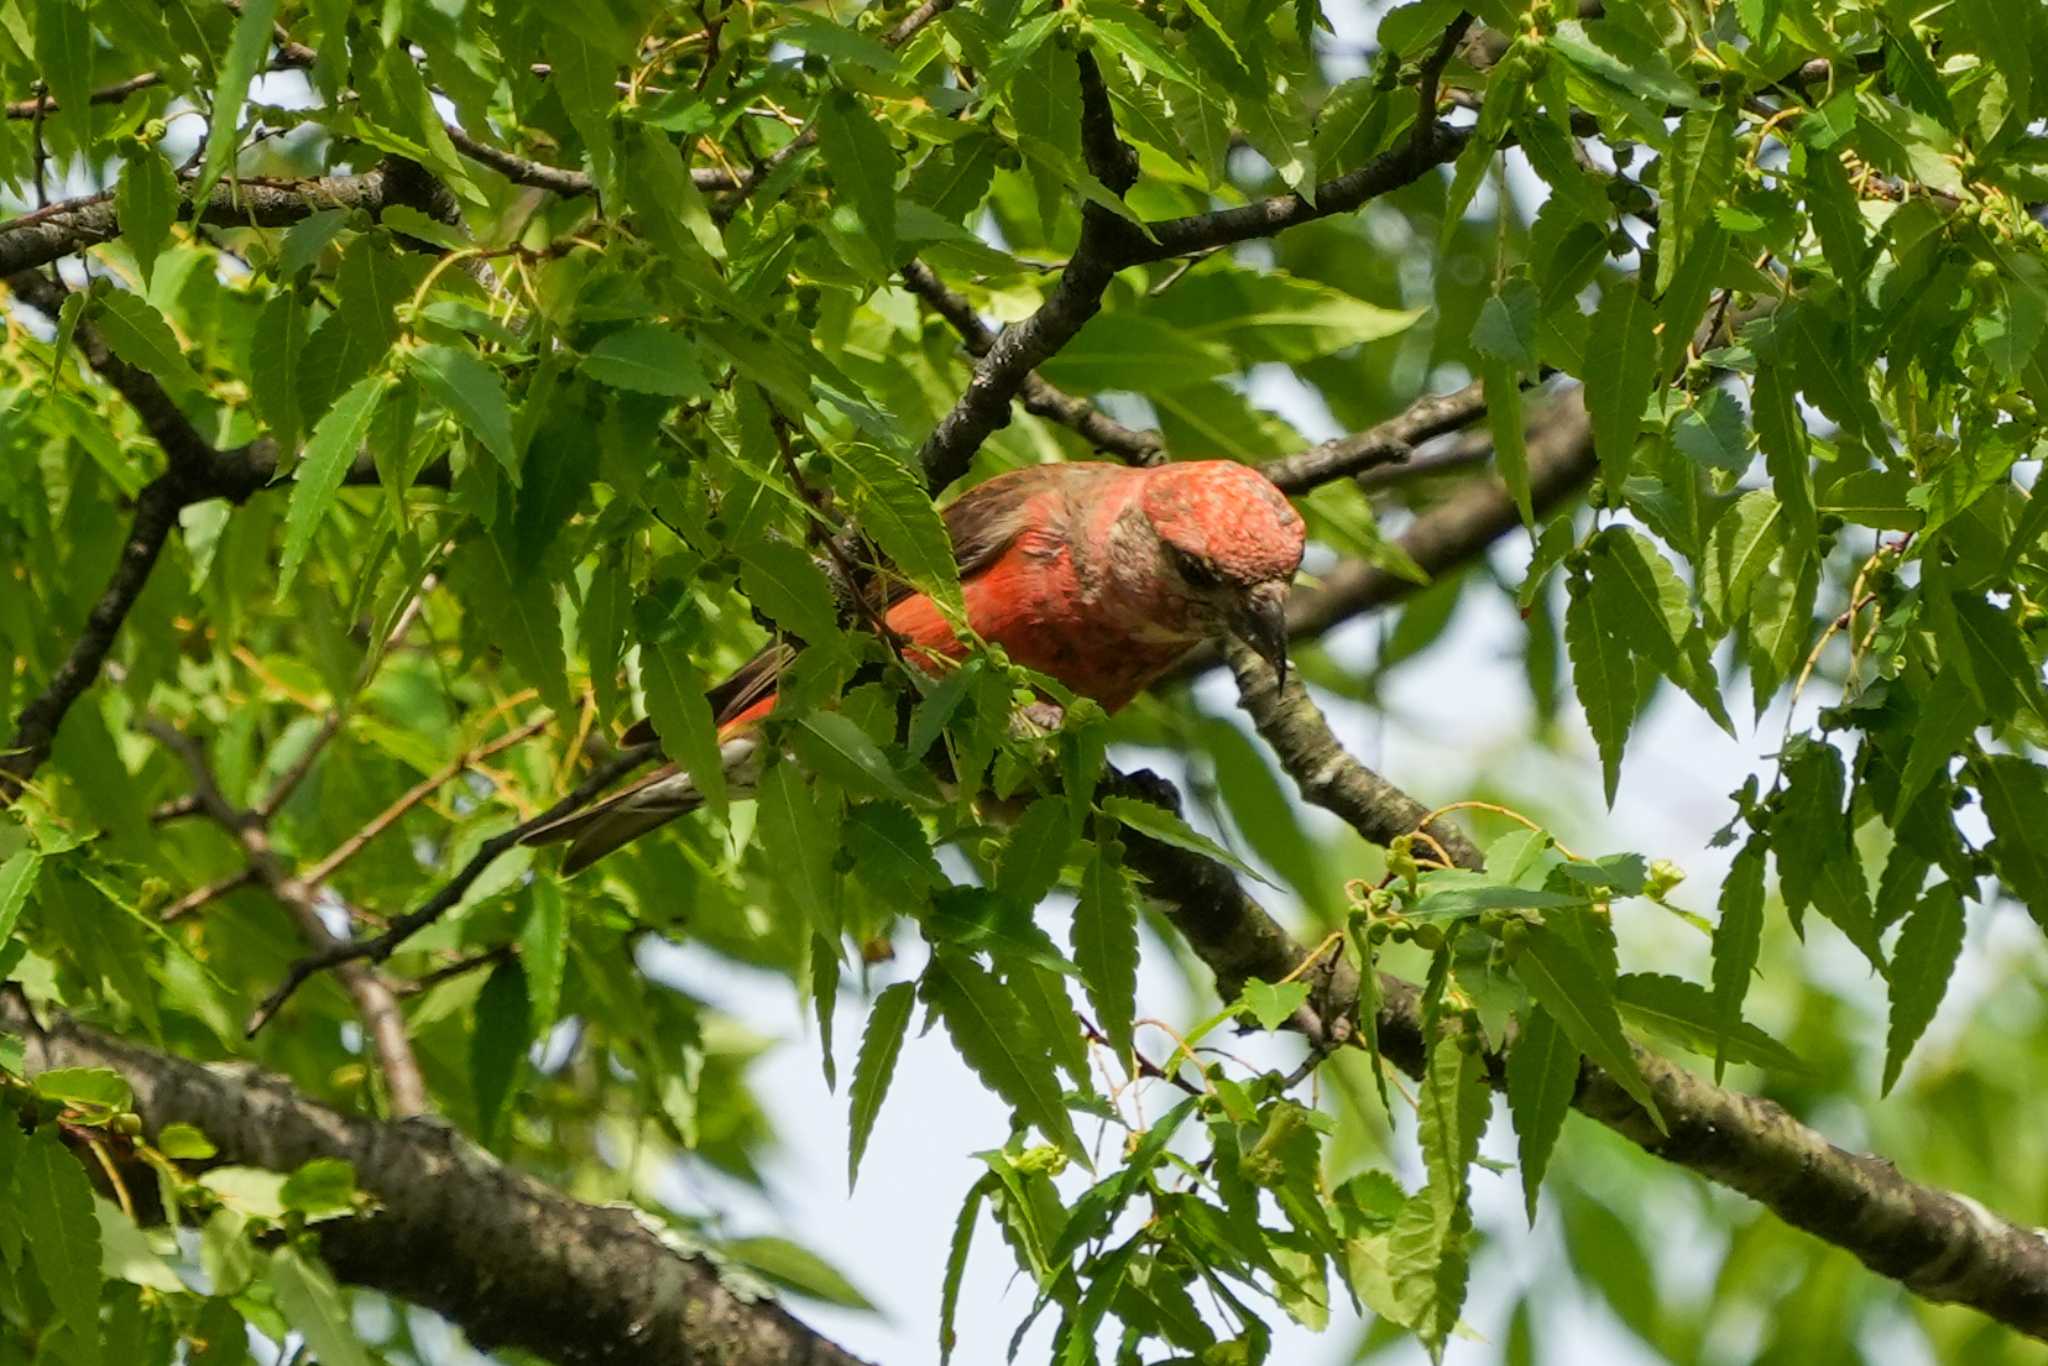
[(526, 367)]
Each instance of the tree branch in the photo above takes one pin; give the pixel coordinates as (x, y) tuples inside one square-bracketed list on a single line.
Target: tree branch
[(1041, 398), (382, 946), (383, 1021), (1388, 443), (248, 203), (512, 1261)]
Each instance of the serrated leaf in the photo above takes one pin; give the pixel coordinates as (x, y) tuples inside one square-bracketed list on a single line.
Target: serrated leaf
[(863, 167), (891, 853), (497, 1043), (1818, 865), (1922, 963), (782, 580), (892, 507), (139, 335), (880, 1044), (87, 1088), (648, 359), (833, 744), (1745, 538), (329, 451), (314, 1305), (1156, 822), (993, 1034), (1543, 1075), (2015, 793), (1738, 939), (1603, 673), (543, 951), (146, 203), (1693, 178), (274, 365), (799, 835), (245, 53), (55, 1200), (1579, 997), (1105, 944), (682, 718), (956, 1262), (1684, 1012), (1036, 851), (1272, 1004), (17, 880), (64, 51), (1621, 373), (323, 1186), (474, 393), (796, 1268)]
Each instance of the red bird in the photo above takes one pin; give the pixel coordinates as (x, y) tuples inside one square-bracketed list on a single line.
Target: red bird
[(1099, 575)]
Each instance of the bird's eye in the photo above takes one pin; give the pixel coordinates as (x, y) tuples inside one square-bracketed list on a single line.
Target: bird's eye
[(1196, 571)]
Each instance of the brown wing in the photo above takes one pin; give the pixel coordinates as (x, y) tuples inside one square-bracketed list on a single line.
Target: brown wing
[(981, 522)]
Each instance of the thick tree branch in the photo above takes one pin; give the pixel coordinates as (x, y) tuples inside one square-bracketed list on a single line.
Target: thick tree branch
[(83, 223), (512, 1261)]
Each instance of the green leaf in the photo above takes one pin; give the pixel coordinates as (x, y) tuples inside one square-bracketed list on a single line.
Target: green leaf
[(956, 1262), (473, 392), (139, 335), (1995, 661), (146, 203), (1568, 984), (1693, 179), (1272, 1004), (1621, 373), (1105, 944), (648, 359), (990, 1029), (1684, 1012), (1543, 1075), (799, 835), (796, 1268), (1818, 865), (880, 1044), (1156, 822), (783, 581), (1922, 963), (1739, 549), (682, 718), (274, 365), (17, 880), (224, 123), (2015, 793), (1738, 939), (323, 1186), (55, 1201), (1506, 327), (1603, 672), (64, 52), (1036, 852), (497, 1043), (1510, 441), (833, 744), (891, 854), (1119, 349), (314, 1305), (543, 952), (519, 613), (863, 167), (329, 452), (891, 506), (86, 1088)]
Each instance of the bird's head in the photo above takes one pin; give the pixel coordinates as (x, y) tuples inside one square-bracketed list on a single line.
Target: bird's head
[(1236, 543)]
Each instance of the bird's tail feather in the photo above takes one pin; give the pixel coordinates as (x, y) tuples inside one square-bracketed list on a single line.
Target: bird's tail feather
[(652, 802)]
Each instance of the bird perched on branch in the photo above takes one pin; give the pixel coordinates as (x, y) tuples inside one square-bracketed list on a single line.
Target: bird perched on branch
[(1101, 576)]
